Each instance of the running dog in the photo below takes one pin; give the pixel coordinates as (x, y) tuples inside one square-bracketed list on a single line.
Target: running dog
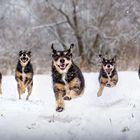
[(68, 80), (0, 83), (24, 73), (108, 74), (139, 72)]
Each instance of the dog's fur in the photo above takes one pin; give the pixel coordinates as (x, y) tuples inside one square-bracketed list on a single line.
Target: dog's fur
[(68, 81), (108, 74), (24, 73), (139, 72), (0, 83)]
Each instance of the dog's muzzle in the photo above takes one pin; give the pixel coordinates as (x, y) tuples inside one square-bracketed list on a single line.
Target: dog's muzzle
[(24, 59), (62, 66), (109, 70)]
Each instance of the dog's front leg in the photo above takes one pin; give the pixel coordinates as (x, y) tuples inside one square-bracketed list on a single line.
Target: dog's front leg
[(19, 90), (100, 90), (29, 87), (114, 81), (59, 90), (74, 89), (0, 87), (103, 82)]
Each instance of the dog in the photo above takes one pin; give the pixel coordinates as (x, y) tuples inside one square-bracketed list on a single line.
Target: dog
[(24, 73), (108, 74), (139, 71), (0, 83), (68, 80)]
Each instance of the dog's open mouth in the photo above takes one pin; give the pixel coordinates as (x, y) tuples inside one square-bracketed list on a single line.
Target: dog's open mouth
[(24, 60), (63, 66), (108, 70)]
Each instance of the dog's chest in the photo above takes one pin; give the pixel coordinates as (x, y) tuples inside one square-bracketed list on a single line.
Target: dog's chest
[(23, 75), (64, 76)]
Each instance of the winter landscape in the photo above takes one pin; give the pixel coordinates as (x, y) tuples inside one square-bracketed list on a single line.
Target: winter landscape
[(107, 27), (114, 116)]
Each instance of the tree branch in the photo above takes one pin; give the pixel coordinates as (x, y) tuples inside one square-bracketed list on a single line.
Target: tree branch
[(64, 14), (49, 25)]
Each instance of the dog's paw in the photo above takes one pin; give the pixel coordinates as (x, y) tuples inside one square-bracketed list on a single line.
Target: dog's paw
[(67, 98), (99, 94), (108, 85), (59, 109)]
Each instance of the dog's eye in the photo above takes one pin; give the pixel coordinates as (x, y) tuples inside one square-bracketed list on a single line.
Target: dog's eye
[(69, 55), (55, 57)]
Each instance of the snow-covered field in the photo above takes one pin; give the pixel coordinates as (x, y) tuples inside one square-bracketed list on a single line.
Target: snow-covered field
[(113, 116)]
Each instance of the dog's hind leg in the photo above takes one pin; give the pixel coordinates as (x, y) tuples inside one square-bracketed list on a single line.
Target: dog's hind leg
[(30, 86), (59, 90)]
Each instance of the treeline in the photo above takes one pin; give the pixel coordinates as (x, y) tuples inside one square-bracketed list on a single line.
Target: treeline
[(109, 27)]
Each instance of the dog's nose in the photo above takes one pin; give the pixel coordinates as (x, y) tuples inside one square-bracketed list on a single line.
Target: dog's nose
[(62, 60), (108, 66)]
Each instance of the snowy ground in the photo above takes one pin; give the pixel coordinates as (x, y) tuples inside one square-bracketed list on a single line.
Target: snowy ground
[(114, 116)]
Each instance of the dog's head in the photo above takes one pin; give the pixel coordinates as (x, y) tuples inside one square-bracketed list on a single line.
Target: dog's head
[(24, 57), (62, 60), (108, 64)]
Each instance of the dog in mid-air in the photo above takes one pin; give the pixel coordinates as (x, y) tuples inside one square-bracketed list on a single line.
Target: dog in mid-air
[(108, 76), (139, 72), (24, 73), (0, 83), (68, 80)]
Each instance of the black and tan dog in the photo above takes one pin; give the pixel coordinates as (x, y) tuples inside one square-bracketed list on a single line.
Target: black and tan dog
[(68, 81), (0, 83), (24, 73), (139, 72), (108, 74)]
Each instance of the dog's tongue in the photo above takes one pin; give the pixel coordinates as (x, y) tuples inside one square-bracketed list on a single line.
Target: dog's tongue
[(62, 66), (108, 70)]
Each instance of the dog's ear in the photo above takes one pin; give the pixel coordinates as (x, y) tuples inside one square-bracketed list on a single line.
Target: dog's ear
[(103, 59), (53, 50), (20, 52), (70, 49), (100, 56), (114, 58), (72, 46), (29, 53)]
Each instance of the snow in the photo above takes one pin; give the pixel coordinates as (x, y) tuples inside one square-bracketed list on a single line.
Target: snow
[(113, 116)]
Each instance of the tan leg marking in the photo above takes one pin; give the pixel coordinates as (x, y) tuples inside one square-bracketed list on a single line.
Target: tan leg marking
[(100, 90), (59, 90), (113, 80), (29, 90), (74, 85), (21, 86), (103, 81), (0, 87)]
